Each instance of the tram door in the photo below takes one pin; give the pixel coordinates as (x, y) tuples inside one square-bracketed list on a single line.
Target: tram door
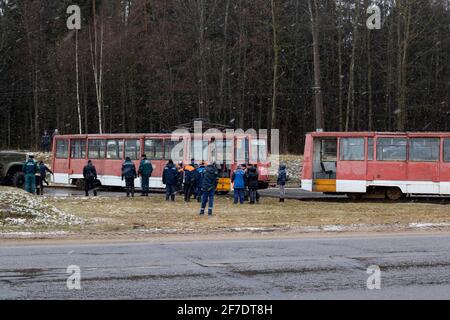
[(324, 164)]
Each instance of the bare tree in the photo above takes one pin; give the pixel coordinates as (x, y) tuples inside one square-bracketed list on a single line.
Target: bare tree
[(350, 116), (403, 38), (319, 112), (97, 66), (339, 28), (276, 59), (78, 84), (224, 57)]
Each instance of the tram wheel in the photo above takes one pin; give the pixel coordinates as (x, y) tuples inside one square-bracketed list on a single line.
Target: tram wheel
[(80, 184), (394, 194), (354, 196)]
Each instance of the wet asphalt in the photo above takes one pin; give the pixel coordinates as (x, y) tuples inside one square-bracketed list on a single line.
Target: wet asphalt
[(412, 267), (291, 193)]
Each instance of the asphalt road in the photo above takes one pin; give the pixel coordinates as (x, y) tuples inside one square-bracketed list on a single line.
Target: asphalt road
[(291, 193), (412, 267)]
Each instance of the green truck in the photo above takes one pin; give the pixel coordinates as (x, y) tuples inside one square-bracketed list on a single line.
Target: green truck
[(11, 168)]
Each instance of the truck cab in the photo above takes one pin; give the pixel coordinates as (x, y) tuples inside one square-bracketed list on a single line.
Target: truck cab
[(11, 168)]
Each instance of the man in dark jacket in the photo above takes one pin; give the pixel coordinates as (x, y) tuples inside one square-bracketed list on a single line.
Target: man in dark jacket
[(43, 169), (129, 174), (46, 142), (209, 184), (246, 191), (170, 179), (281, 181), (252, 181), (238, 179), (189, 180), (180, 168), (30, 168), (195, 180), (90, 175), (200, 173), (145, 172)]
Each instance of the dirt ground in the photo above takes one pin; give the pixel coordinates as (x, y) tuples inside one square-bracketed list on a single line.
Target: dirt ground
[(140, 218), (155, 212)]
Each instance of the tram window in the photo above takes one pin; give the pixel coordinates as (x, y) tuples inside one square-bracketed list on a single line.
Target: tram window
[(199, 150), (352, 149), (259, 151), (62, 149), (370, 149), (97, 149), (174, 150), (391, 149), (154, 149), (78, 149), (114, 149), (329, 150), (133, 149), (447, 150), (214, 152), (241, 151), (424, 149), (221, 151)]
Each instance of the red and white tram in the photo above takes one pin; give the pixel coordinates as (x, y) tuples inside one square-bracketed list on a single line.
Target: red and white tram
[(385, 164), (108, 151)]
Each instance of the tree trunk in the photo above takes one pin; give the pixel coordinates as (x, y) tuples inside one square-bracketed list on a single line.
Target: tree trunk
[(273, 117), (319, 112), (369, 78), (350, 116), (203, 99), (78, 85), (224, 61), (341, 80), (404, 10), (97, 69)]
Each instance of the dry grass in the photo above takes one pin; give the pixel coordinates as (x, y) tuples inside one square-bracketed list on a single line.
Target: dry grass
[(153, 214)]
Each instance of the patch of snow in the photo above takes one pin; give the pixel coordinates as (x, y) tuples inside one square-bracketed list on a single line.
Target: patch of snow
[(34, 234), (20, 208), (334, 228), (15, 221), (428, 225), (158, 230), (252, 229)]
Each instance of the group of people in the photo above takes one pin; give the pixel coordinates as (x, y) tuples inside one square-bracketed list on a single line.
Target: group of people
[(195, 180), (35, 175), (129, 174), (198, 180)]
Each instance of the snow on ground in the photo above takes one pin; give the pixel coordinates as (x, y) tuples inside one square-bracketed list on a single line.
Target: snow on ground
[(18, 208), (25, 234), (428, 225)]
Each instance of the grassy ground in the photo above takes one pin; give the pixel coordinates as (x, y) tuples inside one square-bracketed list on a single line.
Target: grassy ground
[(21, 212), (153, 214)]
